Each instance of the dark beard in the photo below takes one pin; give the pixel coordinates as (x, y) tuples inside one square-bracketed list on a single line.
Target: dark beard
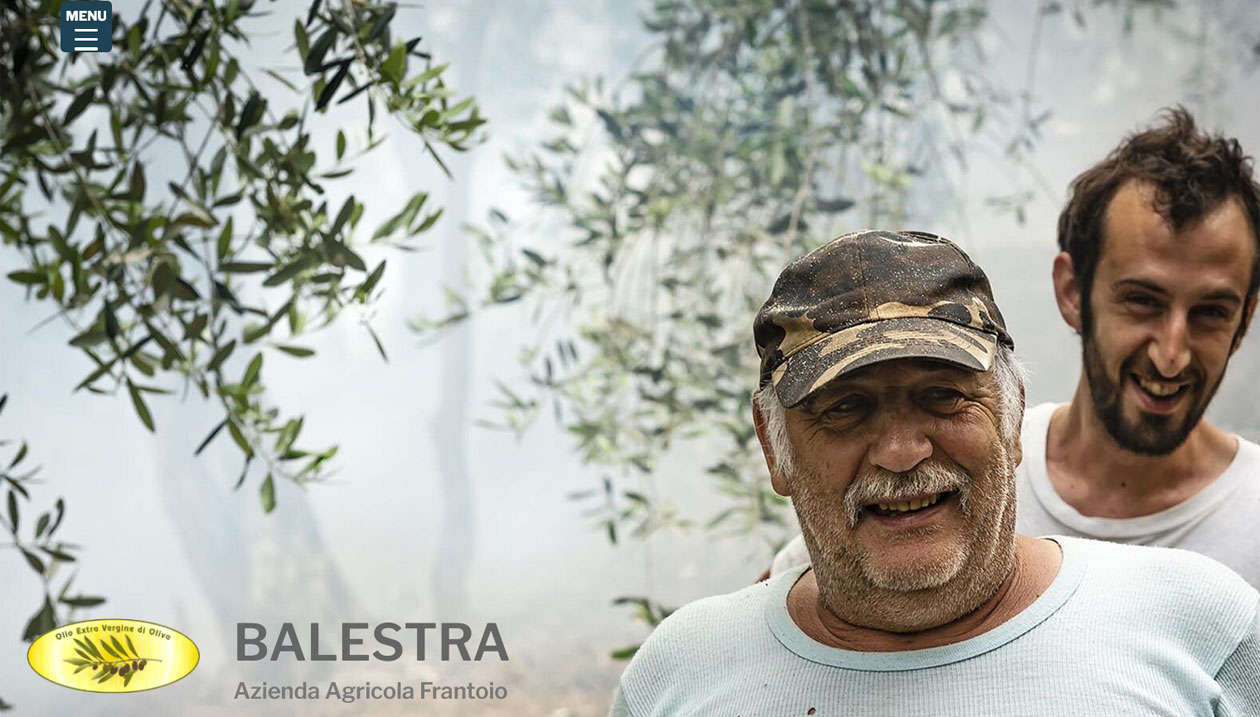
[(1151, 434)]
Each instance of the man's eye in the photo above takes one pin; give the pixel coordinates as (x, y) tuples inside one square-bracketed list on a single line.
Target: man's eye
[(1141, 301), (1215, 313), (942, 395), (847, 406)]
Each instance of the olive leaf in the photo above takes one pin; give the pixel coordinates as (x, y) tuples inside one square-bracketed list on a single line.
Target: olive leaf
[(126, 663)]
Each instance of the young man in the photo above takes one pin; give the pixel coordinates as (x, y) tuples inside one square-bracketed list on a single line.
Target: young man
[(1158, 275), (889, 409)]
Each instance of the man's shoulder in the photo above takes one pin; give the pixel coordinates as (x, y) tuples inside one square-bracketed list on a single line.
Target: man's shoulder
[(1167, 584), (1148, 562), (1172, 601), (1037, 419), (1248, 455), (713, 619), (703, 641)]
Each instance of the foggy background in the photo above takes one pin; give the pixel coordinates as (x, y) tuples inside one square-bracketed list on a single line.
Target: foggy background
[(431, 518)]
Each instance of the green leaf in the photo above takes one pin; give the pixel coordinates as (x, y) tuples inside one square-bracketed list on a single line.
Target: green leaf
[(343, 216), (225, 240), (45, 620), (113, 639), (142, 410), (82, 601), (206, 441), (20, 455), (268, 494), (237, 435), (90, 646), (624, 653), (252, 371), (13, 513), (195, 327), (330, 89), (347, 256), (429, 74), (377, 340), (365, 289), (395, 66), (136, 187), (251, 113), (288, 434), (41, 525), (341, 144), (298, 351), (58, 554), (28, 277), (105, 646), (221, 355), (254, 331), (301, 39), (428, 222), (61, 512), (196, 218), (244, 267), (131, 645), (78, 105), (33, 560), (315, 58), (290, 270), (89, 338), (377, 28)]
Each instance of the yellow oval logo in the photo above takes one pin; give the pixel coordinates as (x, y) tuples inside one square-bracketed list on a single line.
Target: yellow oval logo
[(113, 655)]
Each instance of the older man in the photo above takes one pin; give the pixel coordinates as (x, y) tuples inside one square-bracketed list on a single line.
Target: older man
[(1158, 274), (889, 410)]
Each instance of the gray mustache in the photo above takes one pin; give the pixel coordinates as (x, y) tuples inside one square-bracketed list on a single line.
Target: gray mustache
[(924, 478)]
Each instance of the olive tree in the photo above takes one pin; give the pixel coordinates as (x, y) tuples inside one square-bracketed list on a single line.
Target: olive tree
[(170, 202)]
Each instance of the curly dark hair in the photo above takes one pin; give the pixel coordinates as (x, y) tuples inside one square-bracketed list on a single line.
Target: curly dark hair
[(1192, 172)]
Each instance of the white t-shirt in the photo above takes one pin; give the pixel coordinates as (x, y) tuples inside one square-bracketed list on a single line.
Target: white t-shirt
[(1221, 521), (1122, 630)]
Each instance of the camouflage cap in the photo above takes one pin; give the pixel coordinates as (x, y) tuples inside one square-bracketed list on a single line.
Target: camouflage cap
[(875, 296)]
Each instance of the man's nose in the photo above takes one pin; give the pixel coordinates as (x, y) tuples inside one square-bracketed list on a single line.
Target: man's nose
[(1170, 349), (900, 445)]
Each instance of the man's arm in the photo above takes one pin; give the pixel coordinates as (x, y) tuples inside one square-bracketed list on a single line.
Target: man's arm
[(1239, 677)]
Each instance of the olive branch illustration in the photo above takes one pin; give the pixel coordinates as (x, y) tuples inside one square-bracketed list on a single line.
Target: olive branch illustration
[(126, 661)]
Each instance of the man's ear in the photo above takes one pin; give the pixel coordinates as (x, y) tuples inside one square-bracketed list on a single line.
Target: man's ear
[(1067, 290), (1246, 322), (777, 480)]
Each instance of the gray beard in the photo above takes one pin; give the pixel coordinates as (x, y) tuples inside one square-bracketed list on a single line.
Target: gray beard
[(855, 590)]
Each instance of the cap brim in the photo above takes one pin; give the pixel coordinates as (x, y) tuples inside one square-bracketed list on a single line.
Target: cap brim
[(814, 366)]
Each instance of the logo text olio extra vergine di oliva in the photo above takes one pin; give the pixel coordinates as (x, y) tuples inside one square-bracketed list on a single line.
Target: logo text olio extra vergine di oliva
[(113, 655)]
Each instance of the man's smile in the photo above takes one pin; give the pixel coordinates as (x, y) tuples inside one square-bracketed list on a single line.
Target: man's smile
[(910, 511), (1158, 395)]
